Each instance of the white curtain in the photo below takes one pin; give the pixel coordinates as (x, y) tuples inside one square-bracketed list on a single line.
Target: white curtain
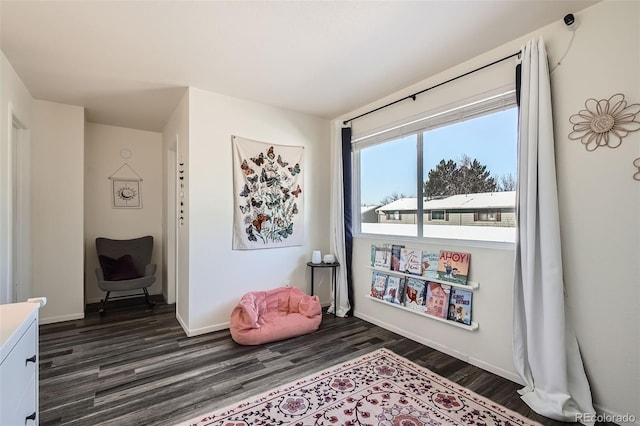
[(337, 221), (546, 351)]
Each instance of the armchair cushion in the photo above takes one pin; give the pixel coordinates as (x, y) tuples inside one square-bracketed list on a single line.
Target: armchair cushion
[(119, 269)]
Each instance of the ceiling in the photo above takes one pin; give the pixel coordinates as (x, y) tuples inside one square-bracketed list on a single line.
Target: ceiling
[(128, 62)]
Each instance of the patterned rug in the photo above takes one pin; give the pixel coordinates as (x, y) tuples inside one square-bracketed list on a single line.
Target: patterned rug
[(380, 388)]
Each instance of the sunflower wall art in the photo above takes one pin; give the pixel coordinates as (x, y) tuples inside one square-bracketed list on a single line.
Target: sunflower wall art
[(268, 195), (604, 122)]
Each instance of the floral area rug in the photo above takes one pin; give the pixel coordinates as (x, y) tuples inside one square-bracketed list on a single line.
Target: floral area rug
[(380, 388)]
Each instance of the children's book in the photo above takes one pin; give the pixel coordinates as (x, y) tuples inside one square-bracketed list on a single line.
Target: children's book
[(378, 284), (453, 266), (411, 261), (382, 258), (373, 255), (430, 264), (395, 257), (437, 299), (414, 294), (460, 306), (395, 290)]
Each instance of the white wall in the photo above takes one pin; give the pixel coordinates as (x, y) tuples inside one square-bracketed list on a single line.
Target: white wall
[(219, 276), (57, 176), (601, 253), (599, 209), (15, 102), (175, 138), (102, 159)]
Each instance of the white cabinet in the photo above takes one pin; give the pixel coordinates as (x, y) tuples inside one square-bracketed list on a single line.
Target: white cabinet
[(19, 364)]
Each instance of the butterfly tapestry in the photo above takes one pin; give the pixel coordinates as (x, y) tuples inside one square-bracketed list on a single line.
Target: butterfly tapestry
[(267, 194)]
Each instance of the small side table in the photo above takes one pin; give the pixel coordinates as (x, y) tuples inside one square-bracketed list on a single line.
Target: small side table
[(334, 267)]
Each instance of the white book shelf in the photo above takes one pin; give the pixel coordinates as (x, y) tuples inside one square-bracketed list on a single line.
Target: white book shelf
[(474, 325), (470, 285)]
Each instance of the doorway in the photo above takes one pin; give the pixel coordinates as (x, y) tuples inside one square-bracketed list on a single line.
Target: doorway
[(20, 281)]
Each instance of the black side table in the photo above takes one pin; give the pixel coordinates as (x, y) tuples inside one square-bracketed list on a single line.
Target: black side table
[(333, 267)]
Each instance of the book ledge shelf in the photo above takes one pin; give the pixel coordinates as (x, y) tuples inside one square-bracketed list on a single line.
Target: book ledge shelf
[(474, 325), (470, 285)]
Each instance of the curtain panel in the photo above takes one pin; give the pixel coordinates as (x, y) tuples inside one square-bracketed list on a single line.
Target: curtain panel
[(545, 347), (341, 226)]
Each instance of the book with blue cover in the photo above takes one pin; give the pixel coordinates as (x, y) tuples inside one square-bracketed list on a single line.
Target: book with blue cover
[(460, 306), (430, 263)]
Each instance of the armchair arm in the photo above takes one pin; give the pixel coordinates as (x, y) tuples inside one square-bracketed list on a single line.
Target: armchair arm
[(310, 306), (150, 270), (245, 315)]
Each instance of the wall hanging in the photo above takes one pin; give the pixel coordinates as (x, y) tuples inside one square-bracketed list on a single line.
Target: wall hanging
[(126, 190), (604, 122), (268, 195), (181, 192)]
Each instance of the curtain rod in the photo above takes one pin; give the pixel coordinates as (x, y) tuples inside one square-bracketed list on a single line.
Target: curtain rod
[(413, 96)]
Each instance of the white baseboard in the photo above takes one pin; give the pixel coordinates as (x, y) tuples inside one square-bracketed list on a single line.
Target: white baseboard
[(61, 318), (201, 330), (208, 329), (442, 348), (182, 324), (514, 377)]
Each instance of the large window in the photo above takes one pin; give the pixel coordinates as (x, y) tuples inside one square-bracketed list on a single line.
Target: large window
[(448, 175)]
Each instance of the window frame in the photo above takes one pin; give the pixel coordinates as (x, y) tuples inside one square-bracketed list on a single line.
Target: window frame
[(492, 102)]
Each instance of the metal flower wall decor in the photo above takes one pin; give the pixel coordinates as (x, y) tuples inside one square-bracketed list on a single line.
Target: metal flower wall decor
[(604, 122)]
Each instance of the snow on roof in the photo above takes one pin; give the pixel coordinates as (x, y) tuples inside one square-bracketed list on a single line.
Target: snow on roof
[(484, 200), (400, 204), (364, 209)]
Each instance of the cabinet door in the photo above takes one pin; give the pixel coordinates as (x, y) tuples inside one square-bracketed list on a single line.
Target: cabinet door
[(18, 380)]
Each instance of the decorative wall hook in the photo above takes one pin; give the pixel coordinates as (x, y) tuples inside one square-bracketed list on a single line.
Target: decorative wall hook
[(130, 168)]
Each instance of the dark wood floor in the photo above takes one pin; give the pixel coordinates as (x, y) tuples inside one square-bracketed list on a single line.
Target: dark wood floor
[(135, 366)]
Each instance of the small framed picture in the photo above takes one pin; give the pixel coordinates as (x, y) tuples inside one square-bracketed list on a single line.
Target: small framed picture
[(126, 194)]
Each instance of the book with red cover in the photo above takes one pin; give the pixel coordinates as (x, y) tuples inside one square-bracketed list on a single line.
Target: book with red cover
[(437, 301), (378, 284), (395, 257), (414, 294)]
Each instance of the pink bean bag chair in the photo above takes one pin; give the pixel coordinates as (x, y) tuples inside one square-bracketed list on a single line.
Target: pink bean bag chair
[(281, 313)]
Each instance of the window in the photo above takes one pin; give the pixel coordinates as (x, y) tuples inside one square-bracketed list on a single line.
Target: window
[(388, 181), (487, 216), (437, 214), (447, 175)]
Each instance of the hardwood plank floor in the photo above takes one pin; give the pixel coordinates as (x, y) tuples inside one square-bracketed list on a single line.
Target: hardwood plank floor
[(135, 366)]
